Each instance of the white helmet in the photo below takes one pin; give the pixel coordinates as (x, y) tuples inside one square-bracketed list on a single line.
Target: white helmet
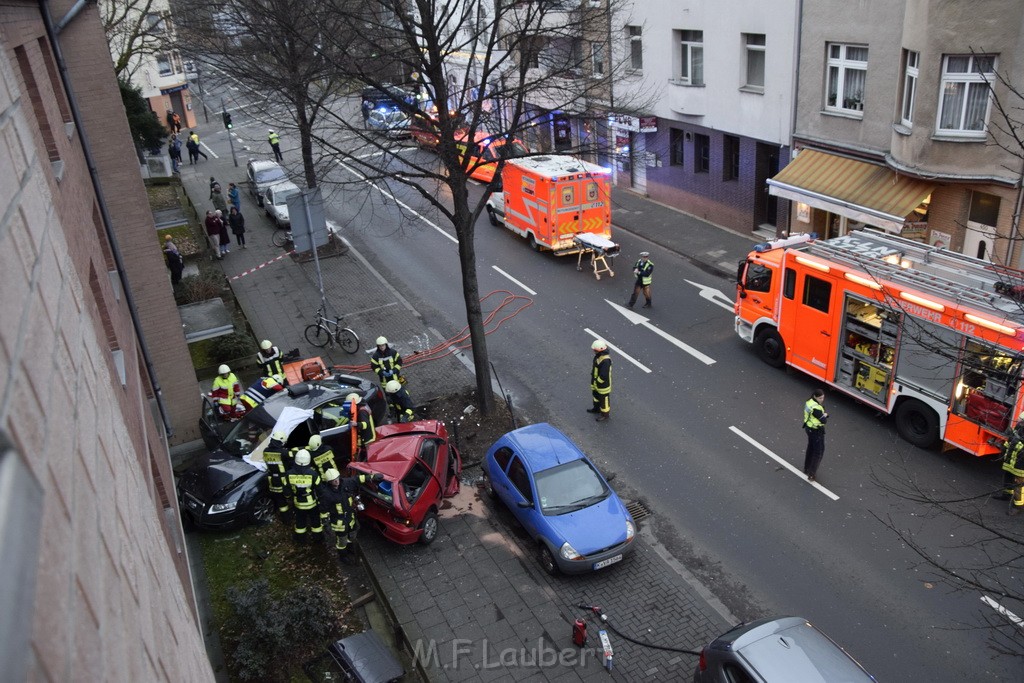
[(315, 441), (266, 345), (223, 370), (382, 341), (331, 474), (279, 436), (353, 397), (393, 387), (599, 345), (302, 458)]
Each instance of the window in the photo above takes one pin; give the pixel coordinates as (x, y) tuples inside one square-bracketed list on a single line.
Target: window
[(759, 278), (531, 52), (789, 284), (520, 479), (676, 138), (755, 61), (847, 75), (984, 209), (730, 157), (965, 89), (502, 456), (597, 58), (634, 34), (163, 64), (35, 96), (691, 57), (910, 74), (154, 23), (701, 153), (817, 293)]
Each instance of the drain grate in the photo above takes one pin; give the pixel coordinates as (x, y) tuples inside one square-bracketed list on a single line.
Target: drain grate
[(638, 510)]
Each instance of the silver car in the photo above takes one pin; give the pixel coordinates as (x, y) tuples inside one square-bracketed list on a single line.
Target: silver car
[(262, 174), (275, 202)]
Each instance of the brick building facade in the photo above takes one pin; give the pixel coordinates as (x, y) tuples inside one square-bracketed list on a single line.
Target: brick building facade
[(98, 561)]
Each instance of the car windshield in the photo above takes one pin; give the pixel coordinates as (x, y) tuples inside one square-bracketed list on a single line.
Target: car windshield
[(570, 487), (511, 150), (245, 436), (271, 175)]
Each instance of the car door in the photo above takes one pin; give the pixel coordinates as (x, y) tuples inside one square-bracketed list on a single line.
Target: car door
[(331, 422), (524, 505), (210, 425)]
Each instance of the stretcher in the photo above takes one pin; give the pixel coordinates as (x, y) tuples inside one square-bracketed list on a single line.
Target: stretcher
[(600, 250)]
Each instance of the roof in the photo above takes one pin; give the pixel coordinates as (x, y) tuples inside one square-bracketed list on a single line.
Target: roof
[(875, 194), (558, 165), (542, 446)]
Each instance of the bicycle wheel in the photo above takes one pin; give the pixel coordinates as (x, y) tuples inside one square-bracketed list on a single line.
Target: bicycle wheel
[(348, 340), (281, 238), (317, 335)]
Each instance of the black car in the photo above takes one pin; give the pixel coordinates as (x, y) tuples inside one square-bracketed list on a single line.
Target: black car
[(222, 490)]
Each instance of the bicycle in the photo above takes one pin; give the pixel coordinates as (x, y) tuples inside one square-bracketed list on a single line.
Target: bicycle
[(282, 238), (324, 331)]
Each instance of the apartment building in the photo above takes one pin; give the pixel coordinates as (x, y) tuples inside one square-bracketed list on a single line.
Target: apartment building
[(93, 574), (898, 127), (711, 85)]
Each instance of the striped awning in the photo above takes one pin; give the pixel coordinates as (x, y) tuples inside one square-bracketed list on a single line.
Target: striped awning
[(865, 192)]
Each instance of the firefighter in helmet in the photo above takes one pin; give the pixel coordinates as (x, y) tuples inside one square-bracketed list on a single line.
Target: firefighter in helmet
[(271, 361), (400, 401), (338, 504), (386, 362), (601, 380), (274, 455), (363, 430), (226, 392), (1013, 468), (303, 481), (322, 455)]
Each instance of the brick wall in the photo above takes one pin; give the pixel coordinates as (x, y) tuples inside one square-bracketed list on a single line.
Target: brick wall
[(112, 600)]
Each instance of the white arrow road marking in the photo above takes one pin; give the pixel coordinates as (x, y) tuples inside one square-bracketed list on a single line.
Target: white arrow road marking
[(782, 462), (638, 319), (1017, 621), (532, 293), (714, 296), (617, 350)]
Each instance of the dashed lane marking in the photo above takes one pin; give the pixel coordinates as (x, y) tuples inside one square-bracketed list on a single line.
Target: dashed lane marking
[(1017, 621), (782, 462)]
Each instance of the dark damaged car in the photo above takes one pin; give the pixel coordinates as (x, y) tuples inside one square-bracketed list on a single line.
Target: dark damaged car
[(222, 490)]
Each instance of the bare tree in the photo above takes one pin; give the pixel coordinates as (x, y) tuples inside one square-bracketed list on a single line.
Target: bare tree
[(134, 30)]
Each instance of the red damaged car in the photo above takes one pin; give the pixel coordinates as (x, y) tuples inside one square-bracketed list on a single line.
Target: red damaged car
[(421, 467)]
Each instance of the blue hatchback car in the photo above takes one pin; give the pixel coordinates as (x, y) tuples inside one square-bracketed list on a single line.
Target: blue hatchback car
[(553, 489)]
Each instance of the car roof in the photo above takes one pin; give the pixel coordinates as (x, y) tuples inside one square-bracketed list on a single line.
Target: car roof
[(307, 396), (791, 649), (262, 164), (542, 446), (284, 185)]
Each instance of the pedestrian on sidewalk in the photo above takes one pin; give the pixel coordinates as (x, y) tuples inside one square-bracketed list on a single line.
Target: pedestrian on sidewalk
[(225, 237), (815, 418), (174, 261), (220, 202), (194, 138), (237, 222), (213, 184), (170, 120), (275, 144), (174, 150), (234, 196), (176, 122), (643, 270), (193, 151), (213, 226), (601, 380)]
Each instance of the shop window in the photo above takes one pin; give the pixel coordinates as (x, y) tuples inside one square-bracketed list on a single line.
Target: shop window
[(817, 293)]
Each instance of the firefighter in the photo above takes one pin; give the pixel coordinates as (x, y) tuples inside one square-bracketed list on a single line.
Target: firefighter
[(260, 391), (400, 401), (386, 362), (270, 359), (274, 456), (815, 418), (643, 270), (226, 391), (338, 504), (323, 456), (303, 481), (363, 430), (601, 380), (1013, 469)]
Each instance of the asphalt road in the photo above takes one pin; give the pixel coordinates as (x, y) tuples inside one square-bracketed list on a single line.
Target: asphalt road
[(691, 436)]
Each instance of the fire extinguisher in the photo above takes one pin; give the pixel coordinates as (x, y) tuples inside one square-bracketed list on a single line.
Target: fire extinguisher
[(579, 633)]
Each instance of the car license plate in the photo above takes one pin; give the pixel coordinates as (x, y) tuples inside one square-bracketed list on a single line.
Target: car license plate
[(610, 561)]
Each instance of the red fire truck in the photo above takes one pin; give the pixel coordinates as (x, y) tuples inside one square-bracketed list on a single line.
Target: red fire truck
[(930, 336)]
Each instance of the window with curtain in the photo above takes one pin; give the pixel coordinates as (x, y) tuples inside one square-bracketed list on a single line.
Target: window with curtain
[(847, 76), (754, 43), (690, 64), (910, 74), (964, 96), (635, 35)]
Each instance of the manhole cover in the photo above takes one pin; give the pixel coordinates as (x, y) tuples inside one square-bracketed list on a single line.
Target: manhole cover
[(638, 510)]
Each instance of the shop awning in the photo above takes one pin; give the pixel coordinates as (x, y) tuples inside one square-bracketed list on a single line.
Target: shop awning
[(865, 192)]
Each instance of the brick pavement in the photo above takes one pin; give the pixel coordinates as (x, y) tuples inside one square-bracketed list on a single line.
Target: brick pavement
[(477, 595)]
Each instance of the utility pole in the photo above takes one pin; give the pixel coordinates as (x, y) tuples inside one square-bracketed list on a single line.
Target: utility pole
[(228, 126)]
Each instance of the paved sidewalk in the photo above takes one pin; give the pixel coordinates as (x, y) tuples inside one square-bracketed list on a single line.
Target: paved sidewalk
[(476, 603)]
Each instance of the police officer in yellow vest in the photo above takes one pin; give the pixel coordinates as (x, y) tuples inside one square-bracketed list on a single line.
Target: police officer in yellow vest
[(1013, 469), (271, 359), (274, 456), (304, 481), (815, 418), (601, 380), (275, 144), (337, 501), (644, 272)]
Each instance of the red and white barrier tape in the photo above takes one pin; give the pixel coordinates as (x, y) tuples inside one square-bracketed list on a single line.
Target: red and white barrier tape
[(262, 265)]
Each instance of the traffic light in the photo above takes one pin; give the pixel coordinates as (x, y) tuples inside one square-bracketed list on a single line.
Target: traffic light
[(227, 120)]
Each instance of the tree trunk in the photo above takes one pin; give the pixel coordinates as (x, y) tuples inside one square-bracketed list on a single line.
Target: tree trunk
[(305, 130)]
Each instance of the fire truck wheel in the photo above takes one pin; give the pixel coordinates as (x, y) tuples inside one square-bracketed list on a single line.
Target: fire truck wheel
[(533, 242), (770, 348), (492, 218), (917, 423)]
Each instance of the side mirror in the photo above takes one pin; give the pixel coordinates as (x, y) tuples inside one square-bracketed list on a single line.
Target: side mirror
[(525, 504)]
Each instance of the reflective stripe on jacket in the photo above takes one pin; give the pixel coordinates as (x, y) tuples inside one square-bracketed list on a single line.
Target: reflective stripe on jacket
[(1012, 461), (601, 374), (230, 387), (303, 481), (814, 415), (645, 271)]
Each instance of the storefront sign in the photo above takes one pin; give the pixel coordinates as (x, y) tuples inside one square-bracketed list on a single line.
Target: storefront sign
[(803, 212), (177, 88), (634, 124)]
